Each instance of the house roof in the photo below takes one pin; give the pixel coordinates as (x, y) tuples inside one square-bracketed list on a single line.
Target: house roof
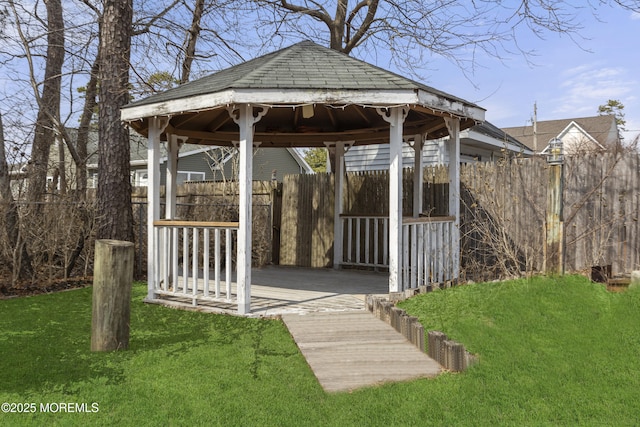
[(600, 128), (137, 147), (486, 134), (314, 94), (484, 139)]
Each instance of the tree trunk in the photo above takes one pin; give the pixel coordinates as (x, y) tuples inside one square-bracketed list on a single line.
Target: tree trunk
[(336, 29), (49, 103), (83, 129), (113, 201)]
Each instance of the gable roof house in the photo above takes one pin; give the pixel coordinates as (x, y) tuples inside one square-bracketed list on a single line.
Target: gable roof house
[(482, 142), (195, 162), (578, 135)]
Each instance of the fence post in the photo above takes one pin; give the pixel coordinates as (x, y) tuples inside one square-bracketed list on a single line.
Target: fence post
[(554, 233), (112, 279)]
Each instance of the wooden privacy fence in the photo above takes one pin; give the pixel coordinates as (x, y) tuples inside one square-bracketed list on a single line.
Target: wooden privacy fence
[(307, 215), (504, 209), (502, 215)]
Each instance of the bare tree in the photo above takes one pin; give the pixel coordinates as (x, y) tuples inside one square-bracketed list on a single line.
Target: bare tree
[(82, 137), (49, 99), (413, 30)]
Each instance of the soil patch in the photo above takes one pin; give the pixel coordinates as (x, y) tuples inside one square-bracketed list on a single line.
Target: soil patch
[(58, 285)]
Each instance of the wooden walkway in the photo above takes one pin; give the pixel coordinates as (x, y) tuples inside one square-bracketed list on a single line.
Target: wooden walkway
[(345, 345), (353, 349)]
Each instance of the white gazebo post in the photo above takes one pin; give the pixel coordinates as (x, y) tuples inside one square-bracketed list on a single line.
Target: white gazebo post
[(170, 237), (338, 181), (243, 116), (418, 166), (173, 146), (453, 125), (395, 117), (156, 127)]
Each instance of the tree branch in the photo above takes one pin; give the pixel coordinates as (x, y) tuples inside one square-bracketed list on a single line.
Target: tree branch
[(320, 13), (147, 25), (372, 8)]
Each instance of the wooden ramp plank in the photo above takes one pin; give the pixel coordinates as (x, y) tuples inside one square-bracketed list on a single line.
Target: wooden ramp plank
[(353, 349)]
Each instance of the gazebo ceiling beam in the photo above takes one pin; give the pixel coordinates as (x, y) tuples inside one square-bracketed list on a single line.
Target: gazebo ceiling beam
[(431, 129), (469, 121), (332, 116), (297, 112), (362, 114), (361, 136), (183, 119)]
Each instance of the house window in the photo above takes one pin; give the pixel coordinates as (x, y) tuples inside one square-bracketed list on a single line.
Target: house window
[(140, 178), (184, 176), (50, 183)]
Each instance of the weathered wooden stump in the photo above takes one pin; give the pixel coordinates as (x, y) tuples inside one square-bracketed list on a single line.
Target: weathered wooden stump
[(112, 279)]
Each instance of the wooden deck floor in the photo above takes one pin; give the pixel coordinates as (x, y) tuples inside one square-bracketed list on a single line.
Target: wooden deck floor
[(353, 349), (281, 290)]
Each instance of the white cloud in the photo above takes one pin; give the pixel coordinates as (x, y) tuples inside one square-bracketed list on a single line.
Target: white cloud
[(585, 87)]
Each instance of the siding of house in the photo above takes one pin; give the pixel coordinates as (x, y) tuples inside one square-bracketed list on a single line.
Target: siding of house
[(197, 162), (265, 161), (376, 157)]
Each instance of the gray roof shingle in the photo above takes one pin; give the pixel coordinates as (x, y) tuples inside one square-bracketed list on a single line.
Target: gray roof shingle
[(304, 66)]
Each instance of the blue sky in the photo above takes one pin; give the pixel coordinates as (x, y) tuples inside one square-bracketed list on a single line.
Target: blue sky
[(570, 78)]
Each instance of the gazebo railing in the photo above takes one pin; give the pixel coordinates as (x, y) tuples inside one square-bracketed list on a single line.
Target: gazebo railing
[(192, 257), (428, 247), (366, 241)]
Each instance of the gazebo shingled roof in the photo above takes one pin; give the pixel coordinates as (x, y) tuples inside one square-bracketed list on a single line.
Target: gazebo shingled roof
[(335, 85)]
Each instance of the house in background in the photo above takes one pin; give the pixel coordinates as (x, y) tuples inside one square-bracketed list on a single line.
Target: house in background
[(212, 163), (195, 162), (482, 142), (580, 135)]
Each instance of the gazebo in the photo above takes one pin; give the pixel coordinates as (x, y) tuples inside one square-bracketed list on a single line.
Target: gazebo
[(302, 96)]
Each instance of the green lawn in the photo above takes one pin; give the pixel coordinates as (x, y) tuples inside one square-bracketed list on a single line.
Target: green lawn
[(551, 352)]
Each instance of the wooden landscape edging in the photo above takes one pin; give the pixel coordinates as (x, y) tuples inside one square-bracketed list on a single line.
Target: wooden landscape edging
[(449, 354)]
